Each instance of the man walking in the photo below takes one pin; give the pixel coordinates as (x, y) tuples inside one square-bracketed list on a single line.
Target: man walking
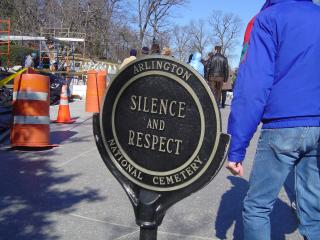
[(217, 70), (278, 84)]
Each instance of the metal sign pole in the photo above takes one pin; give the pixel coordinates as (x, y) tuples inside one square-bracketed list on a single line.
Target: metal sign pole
[(148, 234)]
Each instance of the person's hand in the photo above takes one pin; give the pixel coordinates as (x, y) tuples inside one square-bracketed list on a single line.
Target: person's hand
[(235, 168)]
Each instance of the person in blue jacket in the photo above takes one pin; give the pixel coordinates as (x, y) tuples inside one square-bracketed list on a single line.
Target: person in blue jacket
[(196, 63), (278, 85)]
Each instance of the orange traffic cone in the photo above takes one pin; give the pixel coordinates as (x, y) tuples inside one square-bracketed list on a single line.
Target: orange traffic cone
[(64, 111)]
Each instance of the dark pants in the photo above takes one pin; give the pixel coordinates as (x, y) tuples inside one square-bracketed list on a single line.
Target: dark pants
[(215, 84), (223, 98)]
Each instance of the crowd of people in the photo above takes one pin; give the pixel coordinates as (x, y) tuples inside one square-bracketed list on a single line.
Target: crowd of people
[(214, 69)]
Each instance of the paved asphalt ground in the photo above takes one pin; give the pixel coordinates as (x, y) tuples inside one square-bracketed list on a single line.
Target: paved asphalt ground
[(67, 193)]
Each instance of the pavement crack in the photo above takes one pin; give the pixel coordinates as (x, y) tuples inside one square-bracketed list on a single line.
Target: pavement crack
[(76, 157), (100, 221)]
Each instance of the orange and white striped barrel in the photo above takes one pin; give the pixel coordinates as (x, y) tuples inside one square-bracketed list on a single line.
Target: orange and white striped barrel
[(64, 110), (96, 87), (31, 103)]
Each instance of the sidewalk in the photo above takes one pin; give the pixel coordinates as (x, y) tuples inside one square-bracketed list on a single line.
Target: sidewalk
[(67, 193)]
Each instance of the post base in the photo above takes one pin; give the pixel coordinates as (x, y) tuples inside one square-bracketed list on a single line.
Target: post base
[(148, 233)]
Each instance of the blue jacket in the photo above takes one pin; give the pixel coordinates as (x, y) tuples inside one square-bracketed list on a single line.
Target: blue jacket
[(278, 81), (196, 63)]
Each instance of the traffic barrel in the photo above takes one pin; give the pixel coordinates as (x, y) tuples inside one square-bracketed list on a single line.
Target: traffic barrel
[(96, 87), (31, 103)]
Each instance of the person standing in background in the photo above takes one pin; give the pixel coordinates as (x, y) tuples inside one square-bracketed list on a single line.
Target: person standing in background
[(166, 51), (217, 70), (196, 63), (133, 56), (145, 51), (190, 58), (206, 64), (155, 47)]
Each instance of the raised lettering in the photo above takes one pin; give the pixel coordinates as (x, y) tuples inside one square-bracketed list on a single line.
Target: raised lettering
[(154, 102), (135, 70), (183, 174), (140, 67), (179, 71), (117, 153), (173, 67), (159, 65), (134, 172), (147, 66), (155, 141), (120, 158), (139, 104), (155, 180), (139, 138), (189, 171), (111, 142), (182, 108), (178, 142), (194, 166), (170, 180), (124, 163), (129, 168), (147, 138), (131, 137), (187, 75), (168, 144), (162, 182), (155, 123), (149, 125), (113, 149), (161, 125), (172, 113), (162, 143), (139, 176), (163, 106), (177, 178), (145, 109), (197, 160), (166, 66)]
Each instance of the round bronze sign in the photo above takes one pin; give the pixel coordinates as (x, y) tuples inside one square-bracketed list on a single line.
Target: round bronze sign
[(160, 124)]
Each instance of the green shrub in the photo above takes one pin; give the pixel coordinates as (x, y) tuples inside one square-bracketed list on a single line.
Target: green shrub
[(17, 54)]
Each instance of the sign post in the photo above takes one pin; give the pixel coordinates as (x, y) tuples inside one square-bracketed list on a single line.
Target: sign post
[(159, 133)]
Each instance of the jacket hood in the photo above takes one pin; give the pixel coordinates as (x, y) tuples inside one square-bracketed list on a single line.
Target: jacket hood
[(196, 63), (196, 56), (268, 3)]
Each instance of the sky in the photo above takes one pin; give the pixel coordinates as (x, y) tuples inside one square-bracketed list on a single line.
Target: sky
[(201, 9)]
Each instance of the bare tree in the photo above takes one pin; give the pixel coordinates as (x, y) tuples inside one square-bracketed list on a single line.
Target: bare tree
[(181, 42), (225, 29), (145, 10), (154, 14), (162, 13), (199, 38)]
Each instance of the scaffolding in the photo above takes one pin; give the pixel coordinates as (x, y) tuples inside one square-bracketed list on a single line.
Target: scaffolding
[(5, 44), (59, 48)]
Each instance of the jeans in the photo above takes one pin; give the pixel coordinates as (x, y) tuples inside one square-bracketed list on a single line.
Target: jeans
[(279, 151)]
